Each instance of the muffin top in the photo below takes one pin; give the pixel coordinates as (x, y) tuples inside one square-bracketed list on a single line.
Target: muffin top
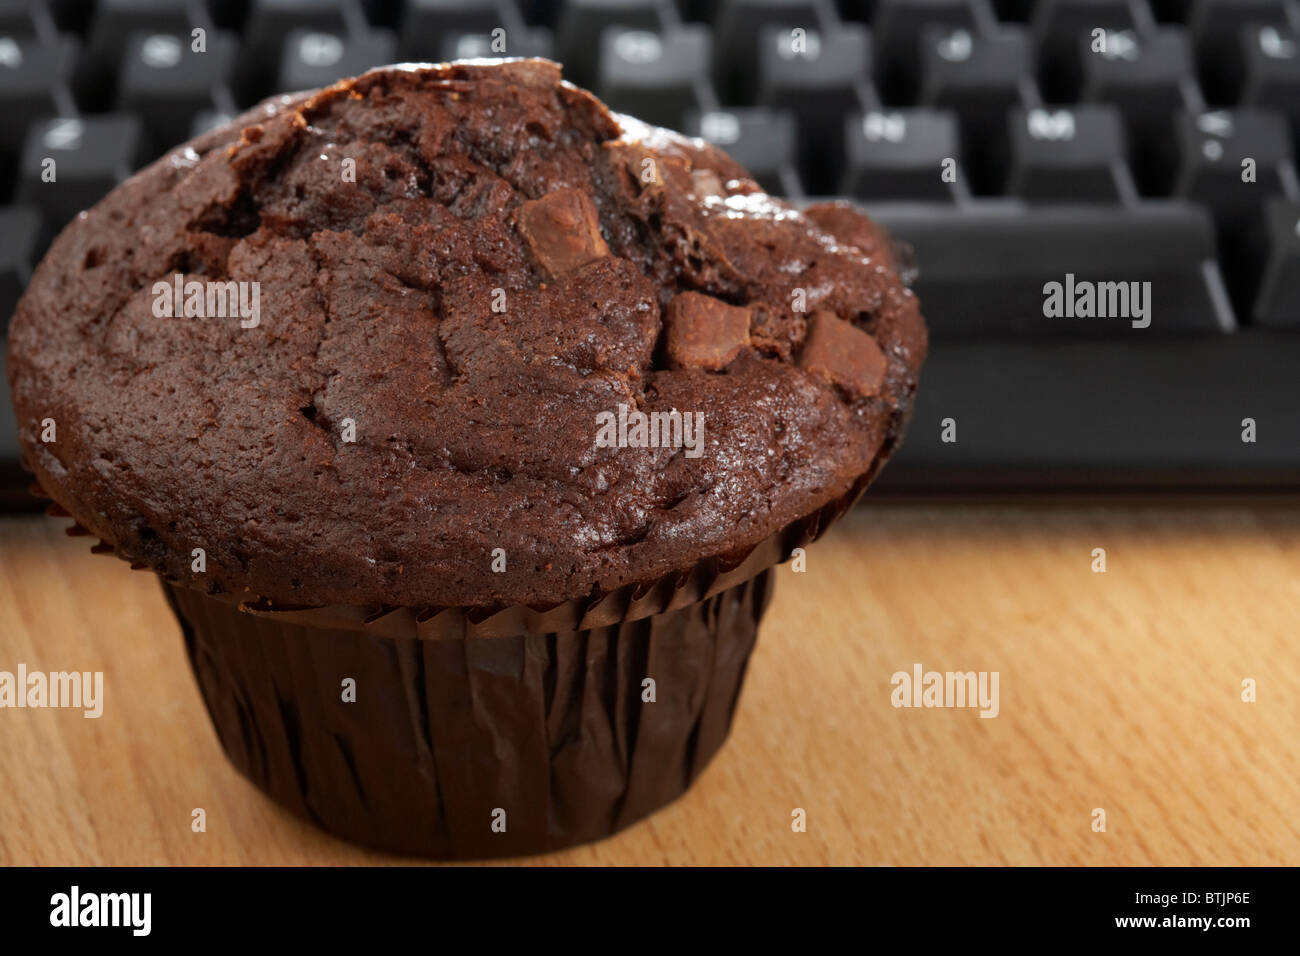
[(454, 335)]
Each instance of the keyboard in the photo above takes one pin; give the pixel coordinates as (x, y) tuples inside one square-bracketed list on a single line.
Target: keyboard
[(1099, 196)]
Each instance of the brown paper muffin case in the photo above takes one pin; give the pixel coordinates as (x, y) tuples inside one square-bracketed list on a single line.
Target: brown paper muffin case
[(462, 714), (549, 728)]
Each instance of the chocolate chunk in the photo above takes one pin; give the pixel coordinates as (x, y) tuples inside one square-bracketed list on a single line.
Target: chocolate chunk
[(562, 231), (704, 332), (843, 354)]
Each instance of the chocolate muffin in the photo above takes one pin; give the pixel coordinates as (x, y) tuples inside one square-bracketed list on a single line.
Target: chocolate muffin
[(463, 420)]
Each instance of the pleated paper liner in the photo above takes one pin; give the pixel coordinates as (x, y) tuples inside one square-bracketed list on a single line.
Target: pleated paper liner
[(469, 733), (474, 748)]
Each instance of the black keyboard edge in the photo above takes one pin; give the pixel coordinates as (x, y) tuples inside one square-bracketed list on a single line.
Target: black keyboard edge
[(15, 496), (15, 481), (1021, 409)]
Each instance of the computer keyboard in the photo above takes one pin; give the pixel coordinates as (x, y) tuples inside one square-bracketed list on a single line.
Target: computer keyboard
[(1127, 145)]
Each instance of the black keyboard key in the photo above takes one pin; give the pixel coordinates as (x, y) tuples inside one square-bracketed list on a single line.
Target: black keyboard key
[(1216, 26), (1069, 154), (761, 140), (819, 77), (820, 73), (34, 82), (114, 21), (581, 23), (898, 26), (1271, 69), (1145, 76), (269, 24), (1231, 161), (1091, 415), (1061, 26), (21, 227), (425, 24), (529, 41), (1208, 19), (1213, 148), (1277, 301), (656, 77), (1149, 78), (90, 156), (25, 18), (312, 59), (984, 268), (899, 154), (110, 30), (166, 81), (737, 25), (980, 77)]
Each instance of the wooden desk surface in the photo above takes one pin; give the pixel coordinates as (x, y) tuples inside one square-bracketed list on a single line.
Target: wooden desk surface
[(1119, 690)]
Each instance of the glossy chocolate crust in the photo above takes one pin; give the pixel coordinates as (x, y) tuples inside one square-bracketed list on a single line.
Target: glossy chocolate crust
[(476, 185)]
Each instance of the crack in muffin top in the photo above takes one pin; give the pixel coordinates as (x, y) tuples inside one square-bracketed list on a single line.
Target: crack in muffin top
[(465, 265)]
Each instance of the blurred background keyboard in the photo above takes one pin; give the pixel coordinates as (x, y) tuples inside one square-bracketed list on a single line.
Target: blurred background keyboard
[(1100, 139)]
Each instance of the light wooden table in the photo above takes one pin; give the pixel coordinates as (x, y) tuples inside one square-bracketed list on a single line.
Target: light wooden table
[(1119, 691)]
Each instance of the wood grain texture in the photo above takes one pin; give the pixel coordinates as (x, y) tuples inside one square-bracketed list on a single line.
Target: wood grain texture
[(1119, 690)]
